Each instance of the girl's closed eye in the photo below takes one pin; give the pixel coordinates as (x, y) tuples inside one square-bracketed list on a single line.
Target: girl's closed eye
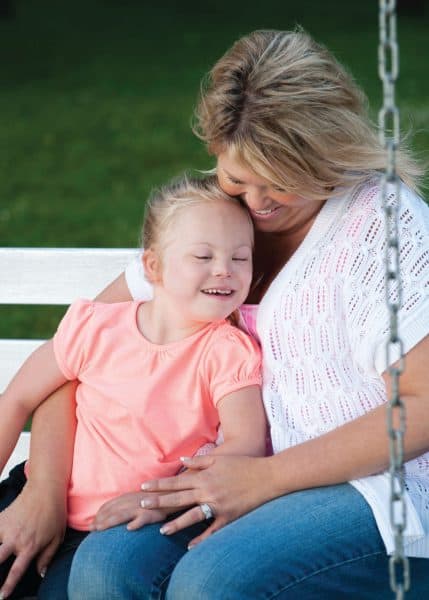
[(240, 259), (202, 257)]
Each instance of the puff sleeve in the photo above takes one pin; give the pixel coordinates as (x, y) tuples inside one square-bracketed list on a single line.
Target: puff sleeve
[(70, 338), (233, 363)]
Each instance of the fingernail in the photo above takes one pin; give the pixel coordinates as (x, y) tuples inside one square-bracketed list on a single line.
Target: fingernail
[(165, 530), (185, 459), (146, 504), (43, 572), (2, 596), (145, 486), (190, 546)]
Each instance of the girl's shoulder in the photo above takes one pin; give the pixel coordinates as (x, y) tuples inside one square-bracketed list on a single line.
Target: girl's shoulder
[(226, 333), (100, 313)]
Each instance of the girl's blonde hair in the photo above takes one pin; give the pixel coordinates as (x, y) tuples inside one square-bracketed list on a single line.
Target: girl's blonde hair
[(185, 192), (285, 108)]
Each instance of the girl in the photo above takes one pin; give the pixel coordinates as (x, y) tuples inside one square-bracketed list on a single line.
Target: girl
[(156, 378)]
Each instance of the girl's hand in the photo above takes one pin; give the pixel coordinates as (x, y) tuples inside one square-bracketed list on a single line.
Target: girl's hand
[(127, 509), (31, 526), (230, 485)]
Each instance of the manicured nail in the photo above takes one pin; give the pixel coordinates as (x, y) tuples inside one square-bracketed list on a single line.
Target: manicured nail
[(2, 596), (42, 572), (185, 459), (146, 504), (165, 530), (145, 486), (190, 546)]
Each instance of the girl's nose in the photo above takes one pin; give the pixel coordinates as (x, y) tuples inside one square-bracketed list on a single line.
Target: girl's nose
[(222, 269)]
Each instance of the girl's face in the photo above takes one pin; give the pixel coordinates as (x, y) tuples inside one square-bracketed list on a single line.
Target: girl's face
[(206, 261), (272, 209)]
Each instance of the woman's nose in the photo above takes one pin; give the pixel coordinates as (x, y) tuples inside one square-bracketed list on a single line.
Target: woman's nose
[(255, 198)]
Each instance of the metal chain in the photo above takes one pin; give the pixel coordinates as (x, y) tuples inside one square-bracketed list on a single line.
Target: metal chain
[(388, 68)]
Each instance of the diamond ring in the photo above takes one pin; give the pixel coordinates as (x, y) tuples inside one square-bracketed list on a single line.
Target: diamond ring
[(207, 511)]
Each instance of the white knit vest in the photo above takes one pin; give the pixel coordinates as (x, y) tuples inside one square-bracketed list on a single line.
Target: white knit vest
[(323, 327)]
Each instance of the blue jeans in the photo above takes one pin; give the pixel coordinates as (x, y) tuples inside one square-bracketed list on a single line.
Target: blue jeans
[(119, 564), (319, 544), (316, 544)]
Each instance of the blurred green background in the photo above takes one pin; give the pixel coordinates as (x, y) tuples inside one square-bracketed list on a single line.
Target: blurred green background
[(97, 96)]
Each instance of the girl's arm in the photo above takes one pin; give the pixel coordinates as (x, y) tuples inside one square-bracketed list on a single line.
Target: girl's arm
[(234, 485), (33, 525), (38, 377), (243, 422)]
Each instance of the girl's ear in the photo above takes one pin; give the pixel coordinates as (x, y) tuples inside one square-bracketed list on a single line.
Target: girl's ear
[(151, 265)]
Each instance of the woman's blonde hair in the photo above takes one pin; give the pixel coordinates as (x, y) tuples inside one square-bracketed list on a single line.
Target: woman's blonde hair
[(185, 192), (285, 107)]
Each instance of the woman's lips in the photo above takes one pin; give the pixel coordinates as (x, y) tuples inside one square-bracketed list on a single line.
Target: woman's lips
[(264, 214)]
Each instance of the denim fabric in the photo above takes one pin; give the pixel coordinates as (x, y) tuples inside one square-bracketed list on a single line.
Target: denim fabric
[(117, 564), (319, 544), (54, 584)]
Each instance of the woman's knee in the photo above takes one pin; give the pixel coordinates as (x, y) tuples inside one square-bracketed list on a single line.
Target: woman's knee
[(292, 539)]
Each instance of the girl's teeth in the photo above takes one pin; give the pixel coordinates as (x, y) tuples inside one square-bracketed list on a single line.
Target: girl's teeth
[(223, 292)]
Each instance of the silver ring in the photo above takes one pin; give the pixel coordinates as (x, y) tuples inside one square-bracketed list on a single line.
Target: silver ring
[(207, 511)]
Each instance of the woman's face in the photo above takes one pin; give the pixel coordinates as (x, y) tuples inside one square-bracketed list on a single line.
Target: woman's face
[(272, 209)]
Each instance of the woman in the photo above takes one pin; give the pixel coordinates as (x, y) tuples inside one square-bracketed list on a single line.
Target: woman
[(292, 138)]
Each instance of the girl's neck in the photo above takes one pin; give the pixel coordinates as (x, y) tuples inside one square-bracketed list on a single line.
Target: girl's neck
[(162, 325)]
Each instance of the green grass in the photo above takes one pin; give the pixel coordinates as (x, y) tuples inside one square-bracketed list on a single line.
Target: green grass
[(97, 97)]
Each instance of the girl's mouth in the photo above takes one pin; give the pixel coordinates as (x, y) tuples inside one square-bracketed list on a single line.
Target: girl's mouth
[(218, 292)]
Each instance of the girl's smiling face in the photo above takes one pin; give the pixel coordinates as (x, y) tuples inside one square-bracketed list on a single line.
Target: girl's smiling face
[(206, 260)]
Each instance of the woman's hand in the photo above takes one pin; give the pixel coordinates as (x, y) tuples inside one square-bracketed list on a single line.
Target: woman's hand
[(31, 526), (127, 509), (230, 485)]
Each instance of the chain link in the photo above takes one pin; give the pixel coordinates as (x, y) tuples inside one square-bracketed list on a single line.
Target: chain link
[(388, 121)]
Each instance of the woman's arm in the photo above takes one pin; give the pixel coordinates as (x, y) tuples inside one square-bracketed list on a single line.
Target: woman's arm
[(117, 291), (34, 524), (234, 485)]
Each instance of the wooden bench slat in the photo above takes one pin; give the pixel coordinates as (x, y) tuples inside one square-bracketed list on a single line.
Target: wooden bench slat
[(58, 275)]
